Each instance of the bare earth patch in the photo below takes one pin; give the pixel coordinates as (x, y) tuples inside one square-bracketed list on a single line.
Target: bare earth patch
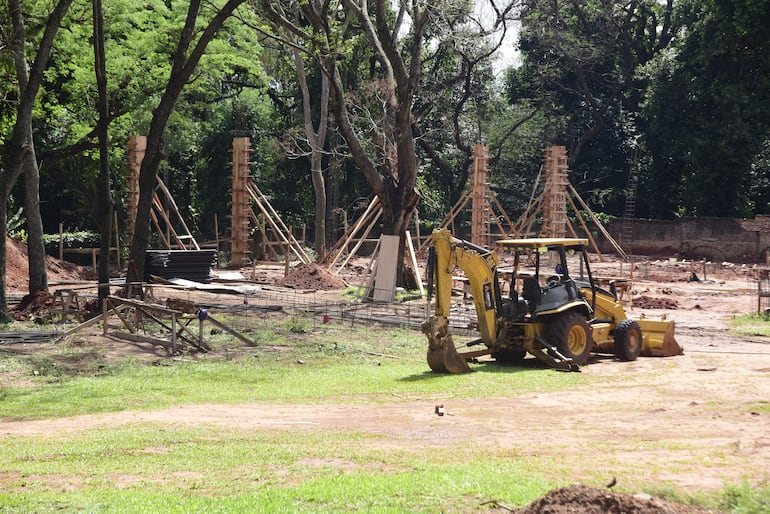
[(697, 421)]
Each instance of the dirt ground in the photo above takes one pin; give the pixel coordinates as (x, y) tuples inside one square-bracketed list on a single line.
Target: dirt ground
[(696, 421)]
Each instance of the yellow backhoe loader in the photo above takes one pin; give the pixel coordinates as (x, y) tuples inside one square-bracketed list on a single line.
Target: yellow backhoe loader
[(555, 310)]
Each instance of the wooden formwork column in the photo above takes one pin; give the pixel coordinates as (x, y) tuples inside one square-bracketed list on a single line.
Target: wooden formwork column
[(555, 193), (137, 145), (479, 203), (240, 201)]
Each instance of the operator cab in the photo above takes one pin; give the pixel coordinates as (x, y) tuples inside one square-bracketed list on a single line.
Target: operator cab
[(546, 274)]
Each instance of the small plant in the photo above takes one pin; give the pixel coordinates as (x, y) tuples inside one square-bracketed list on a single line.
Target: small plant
[(752, 324), (745, 499), (297, 326), (222, 260)]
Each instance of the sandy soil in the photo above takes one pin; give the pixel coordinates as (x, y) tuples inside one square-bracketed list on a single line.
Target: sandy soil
[(696, 421)]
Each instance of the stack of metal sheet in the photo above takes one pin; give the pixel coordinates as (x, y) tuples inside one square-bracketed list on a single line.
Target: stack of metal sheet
[(195, 265)]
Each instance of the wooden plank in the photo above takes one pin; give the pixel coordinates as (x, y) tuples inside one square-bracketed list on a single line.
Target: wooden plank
[(85, 324), (170, 198), (413, 259), (387, 267), (143, 305), (342, 243), (598, 224), (360, 242), (143, 339), (231, 331)]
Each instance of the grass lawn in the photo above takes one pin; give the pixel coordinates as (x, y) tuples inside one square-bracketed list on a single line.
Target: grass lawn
[(157, 467)]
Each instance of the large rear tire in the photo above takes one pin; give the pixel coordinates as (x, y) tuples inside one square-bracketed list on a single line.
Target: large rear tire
[(628, 340), (571, 334)]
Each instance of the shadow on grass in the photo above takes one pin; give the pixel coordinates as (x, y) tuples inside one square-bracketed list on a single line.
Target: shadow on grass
[(486, 366)]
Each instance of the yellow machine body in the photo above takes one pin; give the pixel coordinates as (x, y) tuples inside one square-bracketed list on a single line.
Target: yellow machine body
[(560, 322)]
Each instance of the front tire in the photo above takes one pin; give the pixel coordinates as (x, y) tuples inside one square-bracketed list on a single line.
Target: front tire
[(628, 340), (571, 334)]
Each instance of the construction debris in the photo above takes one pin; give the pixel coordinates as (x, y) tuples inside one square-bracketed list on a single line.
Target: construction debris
[(17, 337)]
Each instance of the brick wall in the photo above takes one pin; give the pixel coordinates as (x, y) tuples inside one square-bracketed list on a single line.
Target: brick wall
[(716, 239)]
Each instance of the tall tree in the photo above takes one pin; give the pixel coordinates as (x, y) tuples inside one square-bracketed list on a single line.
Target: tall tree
[(185, 60), (382, 140), (388, 161), (458, 89), (104, 208), (583, 60), (20, 157), (709, 115), (316, 139)]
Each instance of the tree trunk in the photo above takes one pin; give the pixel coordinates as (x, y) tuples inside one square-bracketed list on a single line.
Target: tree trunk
[(183, 66), (395, 188), (104, 201), (319, 188), (317, 141), (38, 276), (21, 156), (3, 258)]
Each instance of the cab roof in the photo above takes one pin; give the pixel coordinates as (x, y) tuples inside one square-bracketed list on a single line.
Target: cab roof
[(542, 242)]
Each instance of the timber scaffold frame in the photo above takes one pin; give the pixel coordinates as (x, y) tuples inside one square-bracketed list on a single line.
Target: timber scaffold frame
[(166, 218), (485, 207), (135, 316), (245, 193), (552, 202)]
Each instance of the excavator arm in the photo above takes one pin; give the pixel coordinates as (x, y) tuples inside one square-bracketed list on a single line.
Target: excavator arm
[(479, 266)]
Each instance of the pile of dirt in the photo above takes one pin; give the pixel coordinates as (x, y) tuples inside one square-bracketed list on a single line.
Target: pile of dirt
[(17, 268), (649, 302), (32, 304), (581, 499), (311, 276)]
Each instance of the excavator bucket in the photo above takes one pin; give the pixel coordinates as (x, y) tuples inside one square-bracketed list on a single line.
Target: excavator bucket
[(446, 359), (442, 354), (658, 339)]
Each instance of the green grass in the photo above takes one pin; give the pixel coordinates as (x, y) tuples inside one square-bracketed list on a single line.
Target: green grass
[(331, 365), (121, 471), (145, 468), (751, 325), (188, 382), (167, 467)]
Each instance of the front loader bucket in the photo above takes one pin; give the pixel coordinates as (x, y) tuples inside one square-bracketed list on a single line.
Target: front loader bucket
[(658, 339)]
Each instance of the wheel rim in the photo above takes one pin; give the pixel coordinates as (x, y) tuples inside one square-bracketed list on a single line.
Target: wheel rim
[(633, 340), (576, 340)]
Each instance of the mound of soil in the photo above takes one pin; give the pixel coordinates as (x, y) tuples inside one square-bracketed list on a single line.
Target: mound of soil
[(581, 499), (311, 276), (649, 302), (17, 268), (31, 304)]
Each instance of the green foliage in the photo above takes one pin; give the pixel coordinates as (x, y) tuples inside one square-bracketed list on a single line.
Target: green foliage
[(15, 225), (683, 93), (706, 125), (745, 499), (82, 239), (752, 324), (139, 39)]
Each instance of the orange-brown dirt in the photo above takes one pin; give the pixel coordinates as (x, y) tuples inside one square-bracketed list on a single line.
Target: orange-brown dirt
[(17, 268), (311, 276), (696, 421)]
